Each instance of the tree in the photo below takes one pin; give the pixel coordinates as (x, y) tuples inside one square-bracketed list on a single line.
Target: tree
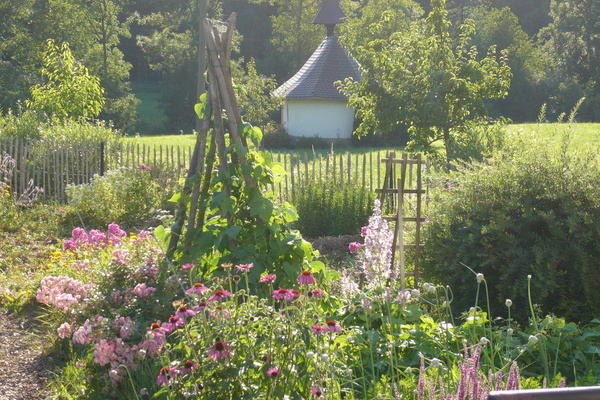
[(419, 78), (572, 42), (500, 27), (25, 25), (105, 59), (70, 92), (171, 48)]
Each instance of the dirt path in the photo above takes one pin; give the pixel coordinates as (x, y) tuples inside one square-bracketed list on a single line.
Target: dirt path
[(24, 368)]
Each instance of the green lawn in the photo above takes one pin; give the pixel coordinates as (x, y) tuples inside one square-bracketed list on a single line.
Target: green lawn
[(583, 136)]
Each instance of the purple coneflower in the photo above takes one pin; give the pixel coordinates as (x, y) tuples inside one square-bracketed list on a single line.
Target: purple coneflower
[(244, 267), (319, 329), (333, 327), (316, 293), (219, 295), (316, 391), (198, 288), (283, 294), (201, 306), (306, 278), (166, 376), (295, 294), (187, 266), (188, 367), (273, 372), (173, 323), (219, 351), (183, 312), (268, 278)]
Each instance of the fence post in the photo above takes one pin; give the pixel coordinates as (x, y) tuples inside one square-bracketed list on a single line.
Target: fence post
[(102, 166)]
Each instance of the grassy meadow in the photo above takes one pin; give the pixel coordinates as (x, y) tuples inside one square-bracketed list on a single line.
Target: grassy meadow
[(583, 136)]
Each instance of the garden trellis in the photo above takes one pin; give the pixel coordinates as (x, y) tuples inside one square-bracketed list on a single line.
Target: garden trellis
[(401, 197)]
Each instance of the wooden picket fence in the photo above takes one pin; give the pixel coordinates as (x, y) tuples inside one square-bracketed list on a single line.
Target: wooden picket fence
[(54, 168)]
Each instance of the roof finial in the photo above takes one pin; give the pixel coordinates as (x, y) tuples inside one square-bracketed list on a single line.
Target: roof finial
[(330, 14)]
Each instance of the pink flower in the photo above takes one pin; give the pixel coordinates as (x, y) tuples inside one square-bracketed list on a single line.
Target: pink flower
[(115, 230), (183, 312), (166, 376), (316, 293), (283, 294), (273, 372), (145, 167), (219, 295), (295, 294), (364, 230), (188, 367), (244, 267), (306, 278), (201, 306), (79, 236), (333, 327), (143, 291), (69, 245), (316, 391), (187, 266), (219, 311), (319, 329), (220, 350), (198, 288), (104, 352), (173, 323), (64, 330), (97, 237), (268, 278), (354, 246)]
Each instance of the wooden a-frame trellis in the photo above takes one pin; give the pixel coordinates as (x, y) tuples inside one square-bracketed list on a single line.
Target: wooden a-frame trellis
[(395, 190), (221, 96)]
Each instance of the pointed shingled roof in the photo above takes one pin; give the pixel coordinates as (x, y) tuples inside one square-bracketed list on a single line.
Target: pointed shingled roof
[(315, 80)]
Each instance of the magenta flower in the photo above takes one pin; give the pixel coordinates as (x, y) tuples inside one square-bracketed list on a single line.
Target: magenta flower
[(354, 246), (69, 245), (166, 376), (333, 327), (219, 295), (188, 367), (145, 167), (268, 278), (220, 350), (306, 278), (244, 267), (79, 235), (114, 229), (219, 311), (97, 237), (201, 306), (198, 288), (273, 372), (173, 323), (187, 266), (316, 293), (295, 294), (282, 294), (183, 312), (319, 329), (316, 391)]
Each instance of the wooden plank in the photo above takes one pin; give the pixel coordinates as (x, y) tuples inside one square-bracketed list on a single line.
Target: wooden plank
[(418, 224)]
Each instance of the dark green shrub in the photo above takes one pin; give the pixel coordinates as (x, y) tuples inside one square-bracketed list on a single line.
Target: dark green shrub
[(329, 208), (533, 215)]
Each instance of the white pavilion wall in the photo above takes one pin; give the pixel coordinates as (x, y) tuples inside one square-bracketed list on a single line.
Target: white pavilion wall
[(322, 118)]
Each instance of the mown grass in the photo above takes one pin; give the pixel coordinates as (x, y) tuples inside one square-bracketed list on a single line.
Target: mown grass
[(583, 136)]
